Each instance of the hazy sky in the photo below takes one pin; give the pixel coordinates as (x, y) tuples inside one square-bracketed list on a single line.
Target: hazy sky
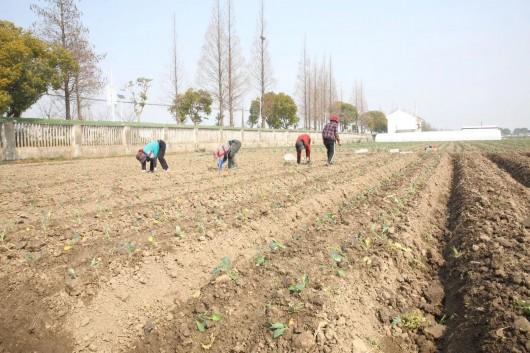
[(458, 62)]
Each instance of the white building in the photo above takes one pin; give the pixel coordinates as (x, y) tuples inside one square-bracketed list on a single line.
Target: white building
[(401, 121), (467, 133)]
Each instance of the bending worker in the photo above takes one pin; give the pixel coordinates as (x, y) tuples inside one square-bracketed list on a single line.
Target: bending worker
[(227, 152), (303, 142), (330, 135), (151, 152)]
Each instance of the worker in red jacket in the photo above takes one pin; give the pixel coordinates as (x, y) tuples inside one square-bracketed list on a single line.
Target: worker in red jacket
[(303, 142)]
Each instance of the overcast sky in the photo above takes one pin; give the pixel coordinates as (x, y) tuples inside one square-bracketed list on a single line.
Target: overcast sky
[(456, 62)]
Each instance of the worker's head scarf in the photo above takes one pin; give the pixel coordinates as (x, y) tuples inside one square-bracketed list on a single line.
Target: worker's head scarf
[(220, 151), (141, 156), (334, 118)]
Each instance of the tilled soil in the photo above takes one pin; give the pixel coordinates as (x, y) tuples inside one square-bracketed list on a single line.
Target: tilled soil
[(98, 257), (486, 276), (517, 165)]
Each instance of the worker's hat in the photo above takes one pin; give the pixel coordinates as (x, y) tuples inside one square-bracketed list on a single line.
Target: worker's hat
[(334, 118)]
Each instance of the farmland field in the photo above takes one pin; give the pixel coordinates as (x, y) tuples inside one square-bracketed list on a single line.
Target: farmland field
[(405, 252)]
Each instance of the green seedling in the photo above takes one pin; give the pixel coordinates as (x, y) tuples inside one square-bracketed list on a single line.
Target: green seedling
[(29, 257), (275, 245), (341, 273), (3, 236), (106, 231), (152, 240), (178, 232), (412, 320), (298, 287), (260, 260), (329, 217), (201, 229), (130, 247), (277, 329), (45, 221), (456, 253), (95, 262), (294, 308), (71, 273), (244, 214), (277, 205), (337, 256), (225, 266), (204, 321), (524, 306), (70, 243)]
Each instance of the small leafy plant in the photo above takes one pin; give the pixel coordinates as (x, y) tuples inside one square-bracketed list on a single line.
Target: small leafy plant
[(275, 245), (204, 321), (295, 307), (225, 266), (152, 240), (456, 253), (3, 235), (277, 329), (45, 221), (95, 262), (130, 247), (341, 273), (298, 287), (71, 273), (260, 260), (524, 306), (106, 232), (337, 256), (71, 242), (411, 320), (178, 232)]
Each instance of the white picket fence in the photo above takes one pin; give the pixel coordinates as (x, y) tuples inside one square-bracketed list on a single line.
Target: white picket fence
[(33, 138)]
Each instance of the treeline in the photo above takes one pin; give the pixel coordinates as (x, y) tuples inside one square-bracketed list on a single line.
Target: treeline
[(56, 56)]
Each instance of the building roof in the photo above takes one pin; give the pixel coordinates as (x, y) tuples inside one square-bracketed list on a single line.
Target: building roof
[(480, 127)]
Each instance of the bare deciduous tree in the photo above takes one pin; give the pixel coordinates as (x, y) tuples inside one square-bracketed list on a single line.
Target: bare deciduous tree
[(212, 66), (235, 75), (60, 23), (262, 71), (175, 75), (304, 88), (88, 80), (359, 102)]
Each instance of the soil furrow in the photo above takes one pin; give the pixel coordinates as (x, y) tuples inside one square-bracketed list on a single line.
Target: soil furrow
[(487, 254)]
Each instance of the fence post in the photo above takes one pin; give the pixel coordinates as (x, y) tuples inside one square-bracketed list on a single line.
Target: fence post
[(124, 142), (10, 145), (195, 138), (77, 140), (165, 135)]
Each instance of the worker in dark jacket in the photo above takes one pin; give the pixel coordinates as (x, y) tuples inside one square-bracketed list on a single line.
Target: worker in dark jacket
[(303, 142), (330, 135), (151, 152), (227, 152)]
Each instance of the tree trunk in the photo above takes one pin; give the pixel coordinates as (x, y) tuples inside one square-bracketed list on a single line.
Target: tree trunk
[(230, 83), (67, 100), (78, 99)]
